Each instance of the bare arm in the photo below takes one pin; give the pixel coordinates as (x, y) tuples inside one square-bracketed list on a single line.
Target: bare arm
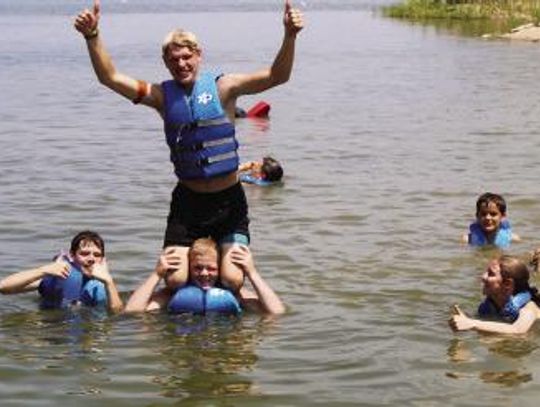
[(234, 85), (141, 297), (266, 299), (144, 298), (527, 315), (101, 272), (29, 280), (246, 166), (87, 24)]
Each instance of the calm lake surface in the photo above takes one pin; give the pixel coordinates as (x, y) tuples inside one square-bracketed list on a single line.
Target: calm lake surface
[(387, 131)]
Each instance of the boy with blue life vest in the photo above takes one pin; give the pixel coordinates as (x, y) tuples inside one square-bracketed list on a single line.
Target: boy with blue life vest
[(203, 293), (263, 172), (491, 226), (80, 277), (511, 305), (198, 109)]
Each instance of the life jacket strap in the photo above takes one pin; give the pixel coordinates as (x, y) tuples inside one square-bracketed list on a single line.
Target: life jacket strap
[(216, 158)]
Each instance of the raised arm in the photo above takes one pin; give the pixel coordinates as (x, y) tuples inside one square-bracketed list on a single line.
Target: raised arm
[(101, 272), (87, 23), (233, 85), (527, 315), (144, 298), (29, 280), (266, 299)]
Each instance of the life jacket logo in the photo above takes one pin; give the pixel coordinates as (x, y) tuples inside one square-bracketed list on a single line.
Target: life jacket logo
[(204, 98)]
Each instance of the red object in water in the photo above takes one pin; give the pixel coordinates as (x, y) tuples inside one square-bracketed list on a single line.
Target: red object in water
[(261, 109)]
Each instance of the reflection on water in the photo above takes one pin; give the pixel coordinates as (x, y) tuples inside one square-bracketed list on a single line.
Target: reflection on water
[(467, 28), (514, 349), (73, 333), (196, 357), (209, 356), (388, 132), (509, 379)]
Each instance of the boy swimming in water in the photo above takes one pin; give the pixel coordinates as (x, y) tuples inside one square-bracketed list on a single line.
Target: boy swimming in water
[(84, 270), (491, 226), (268, 170), (203, 257)]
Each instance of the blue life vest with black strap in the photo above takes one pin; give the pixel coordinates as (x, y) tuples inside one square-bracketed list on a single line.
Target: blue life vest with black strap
[(510, 311), (57, 292), (199, 134), (503, 238), (193, 299)]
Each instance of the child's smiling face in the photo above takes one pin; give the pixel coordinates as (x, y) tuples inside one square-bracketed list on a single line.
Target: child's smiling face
[(204, 269), (490, 217), (87, 255)]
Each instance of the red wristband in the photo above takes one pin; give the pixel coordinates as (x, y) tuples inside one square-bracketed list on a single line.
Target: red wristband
[(142, 91)]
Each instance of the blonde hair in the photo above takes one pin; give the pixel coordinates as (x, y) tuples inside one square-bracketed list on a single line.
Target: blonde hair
[(180, 38), (203, 246)]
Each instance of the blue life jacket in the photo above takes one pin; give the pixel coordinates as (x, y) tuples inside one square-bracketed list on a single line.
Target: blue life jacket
[(250, 179), (503, 238), (199, 134), (510, 311), (193, 299), (57, 292)]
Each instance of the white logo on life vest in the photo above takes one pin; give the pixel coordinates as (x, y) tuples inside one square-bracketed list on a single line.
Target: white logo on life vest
[(204, 98)]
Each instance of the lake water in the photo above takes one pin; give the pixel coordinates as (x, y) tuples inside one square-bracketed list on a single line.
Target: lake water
[(388, 132)]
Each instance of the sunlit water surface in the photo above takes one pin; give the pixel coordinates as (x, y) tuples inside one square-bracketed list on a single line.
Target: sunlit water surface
[(387, 131)]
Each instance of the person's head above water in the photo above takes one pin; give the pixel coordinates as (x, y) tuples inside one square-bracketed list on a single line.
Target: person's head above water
[(181, 54), (488, 198), (505, 276), (204, 263), (271, 169), (87, 248), (490, 211)]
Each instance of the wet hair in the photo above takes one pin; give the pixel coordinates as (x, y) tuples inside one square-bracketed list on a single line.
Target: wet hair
[(180, 38), (271, 169), (516, 270), (84, 237), (203, 246), (485, 199)]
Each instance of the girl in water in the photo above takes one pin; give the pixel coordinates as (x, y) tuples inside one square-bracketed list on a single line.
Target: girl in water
[(511, 305)]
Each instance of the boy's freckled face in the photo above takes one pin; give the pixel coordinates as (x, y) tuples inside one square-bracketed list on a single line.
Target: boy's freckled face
[(203, 270), (86, 256), (490, 217)]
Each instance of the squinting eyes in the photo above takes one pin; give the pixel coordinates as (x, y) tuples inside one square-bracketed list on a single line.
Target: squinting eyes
[(86, 253), (201, 268), (492, 214)]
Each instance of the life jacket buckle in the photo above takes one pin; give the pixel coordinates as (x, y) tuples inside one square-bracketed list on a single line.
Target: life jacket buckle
[(202, 162)]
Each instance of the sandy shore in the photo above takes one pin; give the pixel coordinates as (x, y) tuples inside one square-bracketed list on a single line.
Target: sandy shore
[(527, 32)]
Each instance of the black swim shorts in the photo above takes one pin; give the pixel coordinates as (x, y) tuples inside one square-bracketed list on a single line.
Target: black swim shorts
[(221, 215)]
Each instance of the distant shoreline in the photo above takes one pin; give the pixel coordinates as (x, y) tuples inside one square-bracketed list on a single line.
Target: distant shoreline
[(515, 22)]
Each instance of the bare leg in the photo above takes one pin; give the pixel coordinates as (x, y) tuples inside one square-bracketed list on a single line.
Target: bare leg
[(232, 276), (179, 277)]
